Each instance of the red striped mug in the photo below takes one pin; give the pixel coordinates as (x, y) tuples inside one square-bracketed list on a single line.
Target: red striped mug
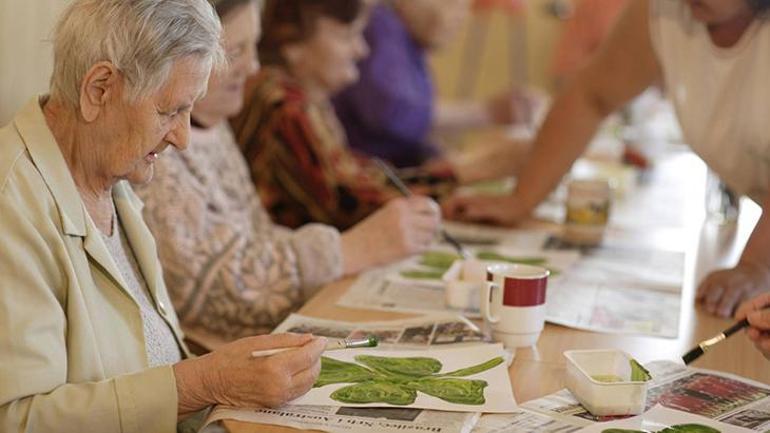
[(513, 303)]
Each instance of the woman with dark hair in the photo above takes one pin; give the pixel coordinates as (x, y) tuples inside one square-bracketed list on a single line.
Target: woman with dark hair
[(296, 149), (713, 57)]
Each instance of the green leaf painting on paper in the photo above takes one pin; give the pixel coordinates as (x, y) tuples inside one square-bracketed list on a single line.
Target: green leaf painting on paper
[(680, 428), (396, 381), (435, 263)]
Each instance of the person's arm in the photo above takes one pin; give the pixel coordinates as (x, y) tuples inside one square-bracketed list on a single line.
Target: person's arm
[(36, 356), (624, 67), (225, 281), (722, 291), (757, 311)]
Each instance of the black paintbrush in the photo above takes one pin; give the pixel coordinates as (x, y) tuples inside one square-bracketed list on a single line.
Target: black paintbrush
[(404, 190), (705, 345)]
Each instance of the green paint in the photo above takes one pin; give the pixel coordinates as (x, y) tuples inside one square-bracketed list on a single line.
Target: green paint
[(607, 378), (533, 261), (419, 274), (438, 259), (681, 428), (497, 257), (639, 373), (396, 381)]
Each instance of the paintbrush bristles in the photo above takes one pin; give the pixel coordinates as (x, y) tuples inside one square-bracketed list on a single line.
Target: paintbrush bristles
[(692, 355)]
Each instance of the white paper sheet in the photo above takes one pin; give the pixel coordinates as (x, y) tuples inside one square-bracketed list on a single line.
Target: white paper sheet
[(497, 393), (660, 418)]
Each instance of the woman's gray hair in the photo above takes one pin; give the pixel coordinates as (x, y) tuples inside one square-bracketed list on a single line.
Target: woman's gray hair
[(142, 38)]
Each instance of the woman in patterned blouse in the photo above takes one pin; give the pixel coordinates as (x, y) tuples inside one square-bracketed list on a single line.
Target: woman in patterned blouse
[(289, 132), (230, 271)]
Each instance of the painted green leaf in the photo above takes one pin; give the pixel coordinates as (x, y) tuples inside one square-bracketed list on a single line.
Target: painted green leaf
[(459, 391), (375, 392), (621, 430), (469, 371), (639, 373), (690, 428), (438, 259), (334, 371), (419, 274), (415, 367), (497, 257)]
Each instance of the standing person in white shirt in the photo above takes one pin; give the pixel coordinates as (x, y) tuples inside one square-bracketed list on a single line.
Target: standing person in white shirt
[(713, 57)]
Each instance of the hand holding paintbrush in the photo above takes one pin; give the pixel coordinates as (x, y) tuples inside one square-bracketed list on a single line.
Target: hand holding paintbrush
[(753, 315), (404, 190), (756, 313)]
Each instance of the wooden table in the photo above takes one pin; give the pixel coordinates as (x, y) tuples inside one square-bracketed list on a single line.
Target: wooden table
[(540, 370)]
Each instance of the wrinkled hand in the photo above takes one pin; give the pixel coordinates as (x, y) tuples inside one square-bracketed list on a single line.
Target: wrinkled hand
[(722, 291), (496, 210), (230, 376), (403, 227), (759, 321)]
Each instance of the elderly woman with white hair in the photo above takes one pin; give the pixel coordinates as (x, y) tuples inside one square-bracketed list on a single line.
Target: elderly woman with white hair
[(89, 339)]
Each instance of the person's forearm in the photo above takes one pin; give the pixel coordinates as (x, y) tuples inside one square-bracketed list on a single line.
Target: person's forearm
[(453, 116), (569, 127), (757, 251)]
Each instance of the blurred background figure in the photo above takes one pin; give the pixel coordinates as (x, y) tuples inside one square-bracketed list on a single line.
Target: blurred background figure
[(392, 111), (585, 28), (296, 149)]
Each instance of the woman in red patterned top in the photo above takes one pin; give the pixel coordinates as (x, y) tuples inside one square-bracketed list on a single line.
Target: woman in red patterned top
[(288, 131)]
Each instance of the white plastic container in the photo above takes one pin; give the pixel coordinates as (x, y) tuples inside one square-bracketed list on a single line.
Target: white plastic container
[(463, 283), (605, 398)]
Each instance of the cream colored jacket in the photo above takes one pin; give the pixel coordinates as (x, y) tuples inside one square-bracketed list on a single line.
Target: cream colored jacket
[(72, 352)]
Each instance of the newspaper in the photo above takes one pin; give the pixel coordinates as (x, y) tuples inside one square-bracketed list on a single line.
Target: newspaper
[(662, 420), (335, 419), (388, 289), (417, 333), (715, 395), (619, 290), (523, 421)]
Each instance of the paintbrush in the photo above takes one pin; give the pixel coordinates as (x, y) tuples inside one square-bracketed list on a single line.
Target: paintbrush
[(331, 344), (404, 190), (705, 345)]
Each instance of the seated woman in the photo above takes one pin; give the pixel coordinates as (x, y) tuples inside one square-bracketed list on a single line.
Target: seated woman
[(89, 340), (230, 270), (391, 112), (294, 145)]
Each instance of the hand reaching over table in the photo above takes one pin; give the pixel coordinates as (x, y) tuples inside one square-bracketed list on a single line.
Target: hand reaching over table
[(721, 292)]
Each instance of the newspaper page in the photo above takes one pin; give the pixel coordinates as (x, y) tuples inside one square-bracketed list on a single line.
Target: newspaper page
[(524, 421), (415, 286), (335, 419), (418, 333), (619, 290), (663, 420), (715, 395)]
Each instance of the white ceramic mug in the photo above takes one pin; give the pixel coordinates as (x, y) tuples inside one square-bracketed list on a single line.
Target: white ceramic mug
[(513, 303)]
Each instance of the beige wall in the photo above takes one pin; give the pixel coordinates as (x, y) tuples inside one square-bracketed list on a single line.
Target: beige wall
[(25, 50), (495, 67)]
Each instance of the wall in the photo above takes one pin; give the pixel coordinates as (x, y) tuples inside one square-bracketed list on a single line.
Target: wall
[(25, 50), (496, 63)]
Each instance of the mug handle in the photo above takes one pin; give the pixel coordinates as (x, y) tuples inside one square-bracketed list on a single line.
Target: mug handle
[(489, 288)]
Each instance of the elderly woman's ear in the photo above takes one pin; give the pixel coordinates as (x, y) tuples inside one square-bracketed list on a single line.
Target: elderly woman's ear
[(100, 83)]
